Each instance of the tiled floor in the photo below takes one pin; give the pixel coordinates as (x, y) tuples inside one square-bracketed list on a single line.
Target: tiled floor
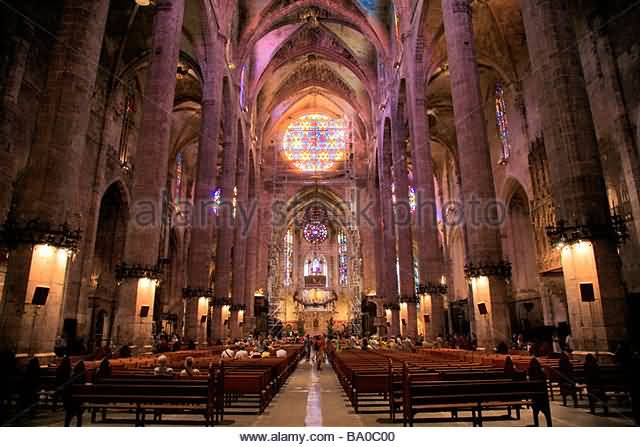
[(315, 398)]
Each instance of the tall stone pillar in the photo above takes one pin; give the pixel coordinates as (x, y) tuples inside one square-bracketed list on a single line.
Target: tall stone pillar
[(378, 246), (484, 263), (8, 116), (251, 266), (226, 229), (47, 218), (403, 230), (265, 230), (240, 247), (425, 229), (390, 292), (583, 231), (202, 227), (144, 231)]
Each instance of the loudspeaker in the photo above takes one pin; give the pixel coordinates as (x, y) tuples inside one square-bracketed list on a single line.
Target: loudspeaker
[(482, 308), (144, 311), (40, 296), (203, 319), (587, 294), (427, 318)]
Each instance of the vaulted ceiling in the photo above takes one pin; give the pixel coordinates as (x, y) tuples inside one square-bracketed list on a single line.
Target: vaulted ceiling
[(335, 57), (303, 57)]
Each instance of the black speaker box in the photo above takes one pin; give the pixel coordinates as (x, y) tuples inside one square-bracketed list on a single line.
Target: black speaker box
[(40, 296)]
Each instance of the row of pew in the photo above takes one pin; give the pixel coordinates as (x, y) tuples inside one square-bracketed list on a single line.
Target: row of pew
[(221, 387), (610, 380), (407, 384)]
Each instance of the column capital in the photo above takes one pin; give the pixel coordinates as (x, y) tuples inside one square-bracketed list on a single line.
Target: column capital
[(37, 231), (197, 292), (500, 269), (431, 288)]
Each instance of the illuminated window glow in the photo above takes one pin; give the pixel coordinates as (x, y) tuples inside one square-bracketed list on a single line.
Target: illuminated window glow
[(315, 142), (412, 199), (343, 260), (502, 122), (216, 197), (315, 233), (179, 169), (288, 261)]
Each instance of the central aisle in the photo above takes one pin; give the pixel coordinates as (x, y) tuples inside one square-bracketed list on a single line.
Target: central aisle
[(309, 398)]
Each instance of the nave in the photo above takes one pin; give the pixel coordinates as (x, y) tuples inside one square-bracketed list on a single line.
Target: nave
[(316, 398), (178, 175)]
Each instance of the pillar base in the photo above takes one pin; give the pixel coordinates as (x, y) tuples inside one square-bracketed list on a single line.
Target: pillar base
[(248, 325), (595, 295), (234, 324), (30, 322), (491, 318), (134, 323)]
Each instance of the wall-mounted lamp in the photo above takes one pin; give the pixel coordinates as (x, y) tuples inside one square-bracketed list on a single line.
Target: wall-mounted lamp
[(144, 2)]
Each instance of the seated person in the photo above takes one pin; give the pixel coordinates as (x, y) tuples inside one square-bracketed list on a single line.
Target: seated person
[(228, 353), (281, 352), (256, 355), (125, 351), (189, 370), (266, 353), (162, 369), (241, 353)]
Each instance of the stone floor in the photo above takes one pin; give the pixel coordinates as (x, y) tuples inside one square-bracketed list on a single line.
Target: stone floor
[(315, 398)]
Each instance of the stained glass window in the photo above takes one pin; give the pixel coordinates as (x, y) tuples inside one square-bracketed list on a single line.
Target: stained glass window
[(234, 201), (216, 197), (315, 142), (179, 180), (502, 122), (288, 261), (243, 75), (129, 108), (315, 266), (343, 260), (315, 233), (412, 199)]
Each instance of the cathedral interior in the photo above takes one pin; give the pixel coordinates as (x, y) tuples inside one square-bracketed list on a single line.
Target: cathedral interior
[(222, 168)]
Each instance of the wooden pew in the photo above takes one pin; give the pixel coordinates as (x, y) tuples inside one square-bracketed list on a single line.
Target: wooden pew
[(160, 396), (474, 396)]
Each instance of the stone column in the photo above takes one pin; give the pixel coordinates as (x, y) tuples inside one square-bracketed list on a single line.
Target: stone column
[(390, 292), (576, 179), (425, 229), (226, 228), (200, 248), (8, 116), (240, 247), (403, 227), (484, 263), (50, 191), (374, 197), (251, 266), (150, 164)]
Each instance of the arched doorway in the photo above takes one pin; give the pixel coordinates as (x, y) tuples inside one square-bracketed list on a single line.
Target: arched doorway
[(108, 252), (526, 308)]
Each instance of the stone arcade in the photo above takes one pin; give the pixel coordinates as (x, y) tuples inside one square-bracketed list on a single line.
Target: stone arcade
[(219, 168)]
